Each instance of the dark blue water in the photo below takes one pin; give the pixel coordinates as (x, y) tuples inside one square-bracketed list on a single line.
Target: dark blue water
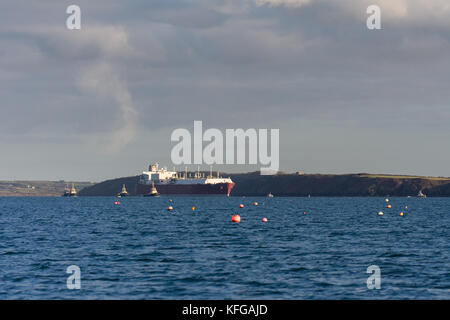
[(139, 250)]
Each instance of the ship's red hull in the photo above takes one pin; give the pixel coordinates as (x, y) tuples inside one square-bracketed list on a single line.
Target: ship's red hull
[(187, 189)]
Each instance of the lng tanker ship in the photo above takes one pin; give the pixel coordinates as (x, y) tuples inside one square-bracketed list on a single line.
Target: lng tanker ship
[(172, 182)]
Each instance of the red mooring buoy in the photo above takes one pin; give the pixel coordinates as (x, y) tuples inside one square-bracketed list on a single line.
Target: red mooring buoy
[(264, 220), (236, 218)]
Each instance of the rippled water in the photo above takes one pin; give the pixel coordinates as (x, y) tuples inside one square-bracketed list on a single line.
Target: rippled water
[(139, 250)]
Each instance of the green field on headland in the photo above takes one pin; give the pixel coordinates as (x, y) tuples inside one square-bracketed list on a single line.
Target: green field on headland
[(391, 176)]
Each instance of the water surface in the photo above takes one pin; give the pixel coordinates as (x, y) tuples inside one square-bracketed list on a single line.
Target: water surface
[(139, 250)]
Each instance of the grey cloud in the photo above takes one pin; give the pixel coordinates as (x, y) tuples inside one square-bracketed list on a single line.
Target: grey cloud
[(102, 79), (139, 67)]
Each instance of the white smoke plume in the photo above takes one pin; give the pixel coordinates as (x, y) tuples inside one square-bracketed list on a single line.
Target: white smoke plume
[(101, 79), (103, 47), (100, 49)]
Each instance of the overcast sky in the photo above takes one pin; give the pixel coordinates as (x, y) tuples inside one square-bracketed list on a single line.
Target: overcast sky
[(101, 102)]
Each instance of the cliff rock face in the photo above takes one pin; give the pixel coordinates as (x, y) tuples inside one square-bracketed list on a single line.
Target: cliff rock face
[(254, 184), (338, 185)]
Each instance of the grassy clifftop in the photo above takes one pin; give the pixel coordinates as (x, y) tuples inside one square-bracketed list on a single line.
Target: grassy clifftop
[(253, 184)]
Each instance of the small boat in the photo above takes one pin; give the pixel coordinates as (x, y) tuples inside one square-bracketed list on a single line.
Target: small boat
[(270, 195), (153, 192), (70, 192), (124, 192), (421, 194)]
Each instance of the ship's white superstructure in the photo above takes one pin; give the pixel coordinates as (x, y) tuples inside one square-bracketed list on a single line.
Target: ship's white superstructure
[(157, 175), (163, 176)]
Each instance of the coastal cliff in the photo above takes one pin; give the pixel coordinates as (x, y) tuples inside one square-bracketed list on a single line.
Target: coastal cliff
[(283, 184)]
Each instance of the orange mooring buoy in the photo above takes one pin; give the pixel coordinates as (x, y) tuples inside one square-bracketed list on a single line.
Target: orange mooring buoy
[(388, 206), (255, 203), (264, 220), (236, 218)]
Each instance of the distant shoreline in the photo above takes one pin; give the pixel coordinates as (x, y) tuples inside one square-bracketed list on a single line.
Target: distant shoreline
[(254, 184), (37, 188)]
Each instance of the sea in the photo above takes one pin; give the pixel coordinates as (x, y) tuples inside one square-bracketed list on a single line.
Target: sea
[(309, 248)]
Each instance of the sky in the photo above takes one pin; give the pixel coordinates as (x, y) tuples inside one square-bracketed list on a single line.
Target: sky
[(102, 102)]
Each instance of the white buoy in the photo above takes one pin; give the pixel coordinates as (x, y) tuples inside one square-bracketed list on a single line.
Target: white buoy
[(380, 213)]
